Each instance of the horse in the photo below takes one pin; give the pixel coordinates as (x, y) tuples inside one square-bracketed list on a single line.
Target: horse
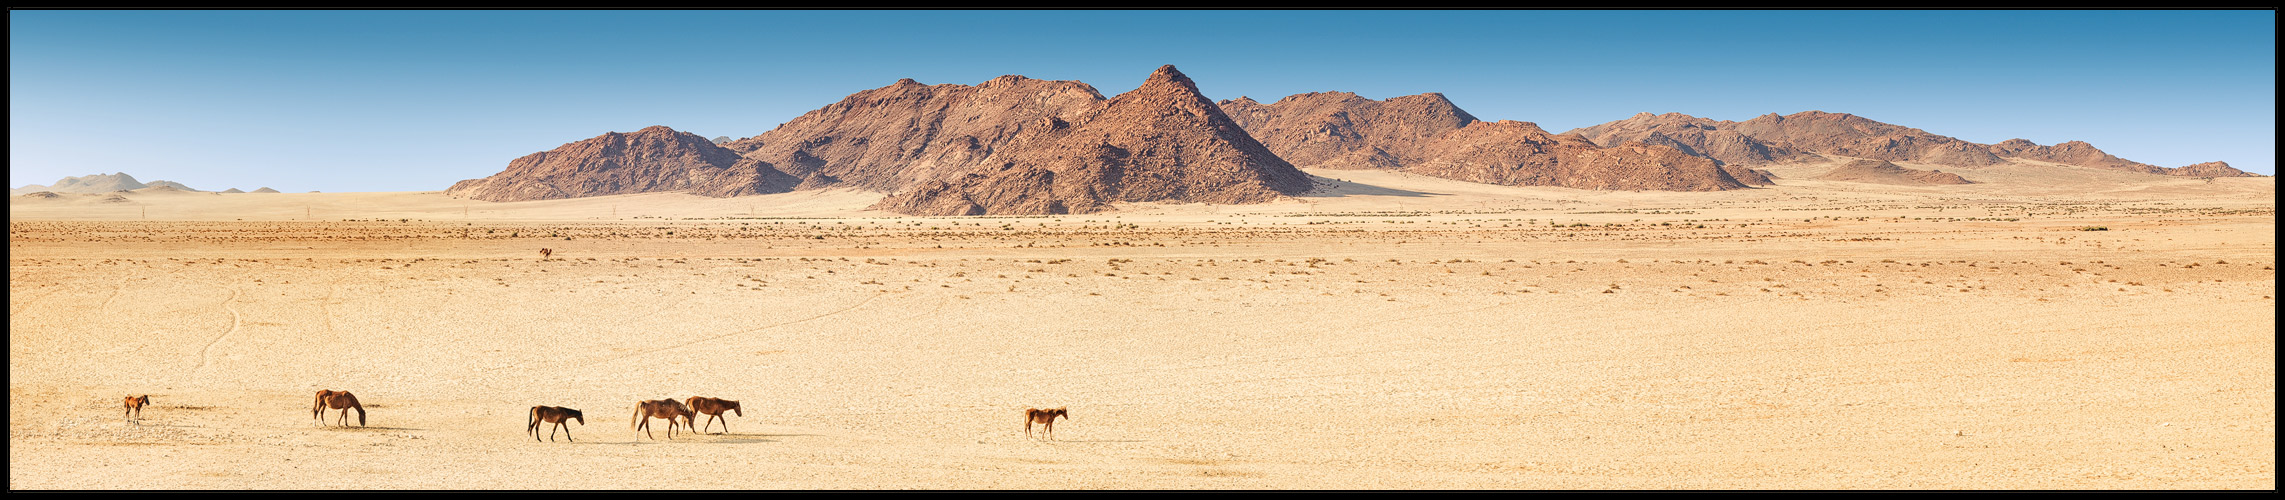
[(554, 415), (1035, 415), (713, 408), (135, 406), (667, 409), (338, 400), (544, 252)]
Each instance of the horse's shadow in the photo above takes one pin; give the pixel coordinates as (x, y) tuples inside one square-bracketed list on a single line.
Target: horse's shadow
[(713, 439), (369, 428)]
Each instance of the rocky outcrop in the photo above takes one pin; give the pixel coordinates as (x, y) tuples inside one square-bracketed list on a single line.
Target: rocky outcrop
[(2209, 169), (1850, 135), (1749, 176), (1883, 172), (1426, 134), (2086, 155), (889, 138), (263, 190), (1694, 135), (1163, 141), (1776, 139), (653, 159), (1521, 154), (1343, 130)]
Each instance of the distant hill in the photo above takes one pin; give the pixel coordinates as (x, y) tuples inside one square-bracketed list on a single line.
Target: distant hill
[(1776, 139), (91, 183), (1428, 135), (653, 159), (172, 184), (1883, 172)]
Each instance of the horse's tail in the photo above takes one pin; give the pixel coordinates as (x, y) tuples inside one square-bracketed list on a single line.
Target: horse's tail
[(318, 406), (638, 417), (533, 424), (691, 402)]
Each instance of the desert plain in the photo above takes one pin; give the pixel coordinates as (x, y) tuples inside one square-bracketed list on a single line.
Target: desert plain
[(1384, 331)]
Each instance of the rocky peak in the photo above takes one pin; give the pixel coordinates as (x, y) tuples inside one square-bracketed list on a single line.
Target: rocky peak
[(1162, 141)]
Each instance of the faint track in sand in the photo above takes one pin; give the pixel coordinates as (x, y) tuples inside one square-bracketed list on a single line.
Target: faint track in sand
[(18, 307), (236, 321)]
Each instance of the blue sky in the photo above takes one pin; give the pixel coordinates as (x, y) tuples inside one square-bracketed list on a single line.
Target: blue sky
[(417, 100)]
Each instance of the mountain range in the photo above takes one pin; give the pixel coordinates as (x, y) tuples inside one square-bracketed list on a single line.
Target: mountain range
[(1019, 146)]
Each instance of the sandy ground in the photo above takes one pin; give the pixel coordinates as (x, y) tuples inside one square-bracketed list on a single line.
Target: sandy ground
[(1388, 331)]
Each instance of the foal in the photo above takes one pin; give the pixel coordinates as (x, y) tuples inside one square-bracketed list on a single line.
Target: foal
[(665, 408), (338, 400), (554, 415), (713, 408), (135, 406), (1035, 415)]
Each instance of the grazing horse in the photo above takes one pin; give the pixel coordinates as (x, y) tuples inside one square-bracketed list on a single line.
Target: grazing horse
[(1035, 415), (544, 252), (668, 409), (338, 400), (713, 408), (135, 406), (554, 415)]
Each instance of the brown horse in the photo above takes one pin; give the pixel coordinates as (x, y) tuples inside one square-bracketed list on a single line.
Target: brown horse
[(544, 252), (338, 400), (554, 415), (1039, 416), (135, 406), (665, 408), (713, 408)]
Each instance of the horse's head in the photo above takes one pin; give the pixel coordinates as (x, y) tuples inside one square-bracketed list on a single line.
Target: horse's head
[(575, 415), (734, 407), (1060, 412)]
